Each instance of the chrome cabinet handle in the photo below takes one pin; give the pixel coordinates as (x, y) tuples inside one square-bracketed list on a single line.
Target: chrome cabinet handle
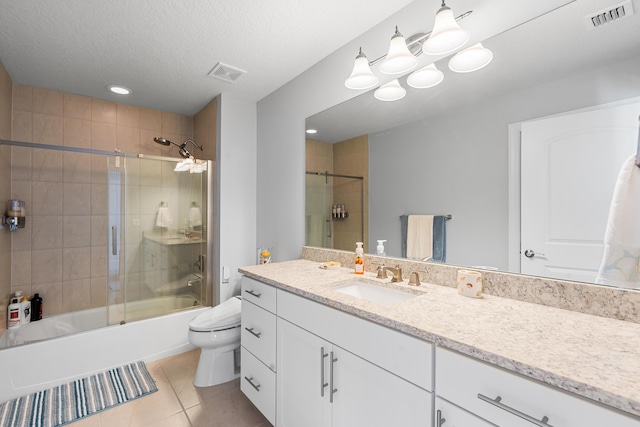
[(497, 402), (250, 381), (250, 292), (332, 390), (440, 420), (114, 240), (530, 253), (255, 334), (322, 383)]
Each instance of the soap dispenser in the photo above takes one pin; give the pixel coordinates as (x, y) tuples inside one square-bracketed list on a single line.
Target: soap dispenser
[(380, 248), (359, 259)]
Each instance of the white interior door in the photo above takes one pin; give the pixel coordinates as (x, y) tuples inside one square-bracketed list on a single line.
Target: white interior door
[(569, 165)]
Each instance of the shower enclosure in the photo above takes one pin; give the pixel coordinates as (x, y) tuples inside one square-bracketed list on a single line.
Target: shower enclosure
[(328, 229), (123, 236)]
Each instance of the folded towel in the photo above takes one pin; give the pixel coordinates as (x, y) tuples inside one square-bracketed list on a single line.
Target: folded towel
[(195, 216), (439, 239), (164, 218), (621, 258), (420, 236)]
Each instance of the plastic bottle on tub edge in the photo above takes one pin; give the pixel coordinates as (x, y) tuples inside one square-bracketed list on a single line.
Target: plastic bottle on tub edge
[(359, 259), (14, 312)]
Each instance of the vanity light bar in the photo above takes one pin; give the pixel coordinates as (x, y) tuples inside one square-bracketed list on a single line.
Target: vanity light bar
[(609, 15)]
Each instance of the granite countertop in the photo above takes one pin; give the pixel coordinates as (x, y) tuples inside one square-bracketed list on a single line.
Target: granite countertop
[(591, 356)]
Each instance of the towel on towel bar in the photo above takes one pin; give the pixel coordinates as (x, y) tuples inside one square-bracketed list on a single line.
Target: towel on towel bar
[(164, 218), (620, 262), (420, 236), (438, 238)]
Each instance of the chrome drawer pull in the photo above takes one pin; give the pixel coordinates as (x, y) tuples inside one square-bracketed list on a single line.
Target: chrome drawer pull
[(440, 421), (251, 292), (255, 334), (496, 402), (332, 390), (250, 381), (322, 383)]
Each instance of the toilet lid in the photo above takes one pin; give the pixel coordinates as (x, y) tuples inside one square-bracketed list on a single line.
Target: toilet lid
[(222, 316)]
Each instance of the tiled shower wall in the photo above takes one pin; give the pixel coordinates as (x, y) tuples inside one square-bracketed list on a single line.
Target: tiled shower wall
[(5, 192), (62, 252)]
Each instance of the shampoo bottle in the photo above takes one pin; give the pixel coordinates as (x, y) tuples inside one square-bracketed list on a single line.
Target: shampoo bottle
[(25, 308), (36, 307), (13, 312), (359, 259)]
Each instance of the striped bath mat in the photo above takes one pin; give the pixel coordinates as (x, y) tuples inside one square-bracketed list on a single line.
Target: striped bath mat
[(64, 404)]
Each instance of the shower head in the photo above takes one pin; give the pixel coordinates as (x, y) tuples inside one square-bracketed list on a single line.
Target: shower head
[(184, 152), (164, 141), (182, 148)]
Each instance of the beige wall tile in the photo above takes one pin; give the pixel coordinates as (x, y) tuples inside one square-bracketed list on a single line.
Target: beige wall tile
[(22, 97), (99, 260), (171, 123), (99, 230), (128, 115), (128, 139), (76, 199), (98, 292), (77, 107), (47, 129), (21, 163), (48, 102), (103, 111), (47, 198), (76, 231), (99, 199), (22, 129), (99, 169), (46, 165), (187, 127), (51, 294), (147, 145), (76, 263), (205, 129), (46, 266), (21, 239), (76, 295), (77, 133), (21, 269), (103, 136), (47, 232), (76, 167), (151, 120)]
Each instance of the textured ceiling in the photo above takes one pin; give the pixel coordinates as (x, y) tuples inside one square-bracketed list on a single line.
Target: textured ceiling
[(164, 49)]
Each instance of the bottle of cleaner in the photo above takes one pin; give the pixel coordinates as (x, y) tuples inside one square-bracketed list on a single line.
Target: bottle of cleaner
[(36, 307), (13, 312), (25, 310), (380, 248), (359, 259)]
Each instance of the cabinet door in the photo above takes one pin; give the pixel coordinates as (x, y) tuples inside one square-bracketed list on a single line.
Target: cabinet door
[(449, 415), (301, 373), (367, 395)]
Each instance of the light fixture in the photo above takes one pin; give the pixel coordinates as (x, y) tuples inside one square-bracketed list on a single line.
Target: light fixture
[(311, 131), (399, 59), (425, 77), (471, 59), (182, 148), (361, 77), (120, 90), (447, 36), (391, 91)]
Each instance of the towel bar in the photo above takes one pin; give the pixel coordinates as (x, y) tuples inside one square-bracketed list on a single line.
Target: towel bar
[(447, 217)]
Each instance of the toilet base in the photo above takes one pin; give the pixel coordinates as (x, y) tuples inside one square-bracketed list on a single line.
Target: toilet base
[(216, 366)]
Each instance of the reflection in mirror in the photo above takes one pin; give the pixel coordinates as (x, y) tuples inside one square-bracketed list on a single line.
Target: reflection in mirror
[(455, 148)]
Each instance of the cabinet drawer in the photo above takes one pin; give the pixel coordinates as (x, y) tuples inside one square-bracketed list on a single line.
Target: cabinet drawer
[(408, 357), (466, 382), (259, 333), (449, 415), (259, 293), (258, 383)]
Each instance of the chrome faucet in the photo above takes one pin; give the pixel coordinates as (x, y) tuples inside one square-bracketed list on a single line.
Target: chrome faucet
[(396, 273)]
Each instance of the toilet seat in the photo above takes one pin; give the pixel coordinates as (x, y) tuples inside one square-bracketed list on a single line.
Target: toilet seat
[(223, 316)]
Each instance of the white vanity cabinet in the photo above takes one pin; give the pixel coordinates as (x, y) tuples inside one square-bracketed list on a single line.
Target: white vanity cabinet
[(337, 370), (509, 400), (258, 346), (450, 415)]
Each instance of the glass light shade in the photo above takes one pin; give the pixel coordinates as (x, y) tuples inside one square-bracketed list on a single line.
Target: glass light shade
[(361, 77), (446, 36), (184, 165), (391, 91), (471, 59), (399, 59), (425, 77)]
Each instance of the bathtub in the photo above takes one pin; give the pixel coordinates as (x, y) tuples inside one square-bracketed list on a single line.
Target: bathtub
[(83, 350)]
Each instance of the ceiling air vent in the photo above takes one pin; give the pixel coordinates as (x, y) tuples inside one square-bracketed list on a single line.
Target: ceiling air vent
[(226, 72), (609, 14)]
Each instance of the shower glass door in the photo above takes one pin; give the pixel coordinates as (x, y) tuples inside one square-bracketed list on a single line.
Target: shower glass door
[(319, 227), (161, 232)]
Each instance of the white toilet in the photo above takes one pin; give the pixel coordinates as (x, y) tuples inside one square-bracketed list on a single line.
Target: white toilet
[(217, 333)]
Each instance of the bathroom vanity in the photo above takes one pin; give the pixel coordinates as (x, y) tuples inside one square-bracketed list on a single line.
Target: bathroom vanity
[(315, 353)]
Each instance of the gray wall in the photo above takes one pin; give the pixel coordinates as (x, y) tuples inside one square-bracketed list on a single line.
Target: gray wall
[(459, 164)]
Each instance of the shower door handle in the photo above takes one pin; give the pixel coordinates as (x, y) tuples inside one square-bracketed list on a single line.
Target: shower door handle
[(114, 240)]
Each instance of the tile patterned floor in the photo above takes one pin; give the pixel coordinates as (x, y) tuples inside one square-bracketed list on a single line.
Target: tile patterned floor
[(178, 403)]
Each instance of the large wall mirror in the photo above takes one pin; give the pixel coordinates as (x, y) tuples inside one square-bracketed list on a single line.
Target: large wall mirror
[(455, 148)]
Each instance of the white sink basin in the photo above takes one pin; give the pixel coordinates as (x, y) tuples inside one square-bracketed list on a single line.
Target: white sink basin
[(374, 293)]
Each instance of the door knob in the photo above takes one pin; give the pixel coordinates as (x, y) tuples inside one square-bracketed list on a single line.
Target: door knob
[(530, 253)]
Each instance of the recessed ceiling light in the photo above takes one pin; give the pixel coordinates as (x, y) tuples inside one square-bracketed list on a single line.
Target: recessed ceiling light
[(311, 131), (120, 90)]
